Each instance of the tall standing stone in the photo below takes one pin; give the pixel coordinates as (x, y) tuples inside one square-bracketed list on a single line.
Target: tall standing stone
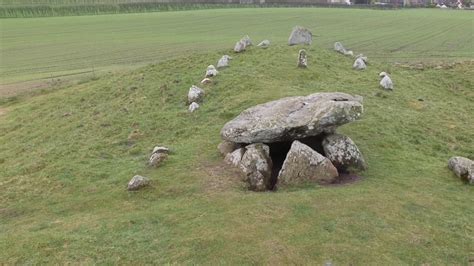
[(300, 35)]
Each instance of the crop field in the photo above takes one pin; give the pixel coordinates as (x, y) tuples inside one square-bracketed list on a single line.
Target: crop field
[(68, 152), (38, 48)]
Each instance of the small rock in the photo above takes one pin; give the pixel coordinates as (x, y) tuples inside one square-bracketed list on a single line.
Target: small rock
[(303, 164), (264, 44), (224, 61), (462, 167), (138, 182), (195, 94), (257, 166), (300, 35), (302, 59), (359, 64), (160, 149), (240, 46), (157, 158), (338, 47), (349, 53), (246, 39), (206, 81), (235, 157), (363, 57), (386, 81), (193, 107), (226, 147), (343, 152), (211, 71)]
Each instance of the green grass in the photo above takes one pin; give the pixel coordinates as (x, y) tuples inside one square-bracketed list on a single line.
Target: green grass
[(37, 48), (63, 178)]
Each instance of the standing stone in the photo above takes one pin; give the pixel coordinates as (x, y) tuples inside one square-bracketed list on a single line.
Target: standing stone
[(239, 46), (343, 152), (386, 81), (300, 35), (303, 164), (211, 71), (338, 47), (224, 61), (234, 158), (257, 166), (363, 57), (226, 147), (302, 59), (138, 182), (264, 44), (246, 39), (195, 94), (462, 167), (193, 107), (158, 155), (359, 64)]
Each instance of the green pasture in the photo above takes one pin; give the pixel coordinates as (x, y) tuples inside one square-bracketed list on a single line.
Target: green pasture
[(39, 48), (67, 154)]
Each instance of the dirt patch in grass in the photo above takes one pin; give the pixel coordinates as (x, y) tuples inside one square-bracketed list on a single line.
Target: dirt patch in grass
[(10, 90), (345, 179), (3, 111), (221, 177)]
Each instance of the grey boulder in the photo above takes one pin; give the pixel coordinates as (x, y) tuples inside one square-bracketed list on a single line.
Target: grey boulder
[(226, 147), (303, 164), (359, 64), (193, 107), (257, 166), (462, 167), (264, 44), (343, 152), (300, 35), (234, 158), (158, 155), (223, 61), (302, 59), (138, 182), (240, 46), (293, 118), (195, 94)]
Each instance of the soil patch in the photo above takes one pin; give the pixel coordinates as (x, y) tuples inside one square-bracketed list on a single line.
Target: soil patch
[(344, 179)]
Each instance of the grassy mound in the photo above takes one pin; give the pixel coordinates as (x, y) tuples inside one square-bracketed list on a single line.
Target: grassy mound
[(67, 155)]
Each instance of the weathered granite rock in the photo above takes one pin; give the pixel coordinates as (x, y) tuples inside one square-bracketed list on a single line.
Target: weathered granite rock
[(462, 167), (303, 164), (257, 166), (339, 48), (223, 61), (226, 147), (343, 152), (158, 155), (363, 57), (138, 182), (264, 44), (302, 59), (206, 81), (359, 64), (293, 118), (211, 71), (349, 53), (386, 81), (246, 39), (195, 94), (193, 107), (300, 35), (234, 158), (240, 46)]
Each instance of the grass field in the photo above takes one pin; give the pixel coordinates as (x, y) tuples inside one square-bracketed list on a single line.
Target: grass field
[(38, 48), (67, 152)]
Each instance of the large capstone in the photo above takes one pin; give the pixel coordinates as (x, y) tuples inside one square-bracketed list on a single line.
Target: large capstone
[(303, 164), (300, 35), (257, 167), (293, 118), (343, 152)]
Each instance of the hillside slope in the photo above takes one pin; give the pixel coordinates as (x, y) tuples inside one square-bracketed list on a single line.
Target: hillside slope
[(67, 155)]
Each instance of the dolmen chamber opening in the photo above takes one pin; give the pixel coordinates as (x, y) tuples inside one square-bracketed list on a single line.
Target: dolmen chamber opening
[(294, 141)]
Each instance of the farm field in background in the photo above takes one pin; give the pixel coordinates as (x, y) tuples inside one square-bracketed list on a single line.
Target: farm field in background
[(38, 48)]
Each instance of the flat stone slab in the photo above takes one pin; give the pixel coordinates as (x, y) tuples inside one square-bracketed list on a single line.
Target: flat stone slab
[(293, 118)]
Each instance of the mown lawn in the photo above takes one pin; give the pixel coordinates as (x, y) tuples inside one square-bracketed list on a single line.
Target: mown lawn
[(38, 48), (67, 154)]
